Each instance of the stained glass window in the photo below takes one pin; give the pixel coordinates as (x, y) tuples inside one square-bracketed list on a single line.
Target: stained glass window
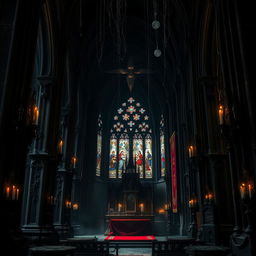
[(162, 147), (113, 157), (138, 153), (123, 155), (99, 147), (131, 121)]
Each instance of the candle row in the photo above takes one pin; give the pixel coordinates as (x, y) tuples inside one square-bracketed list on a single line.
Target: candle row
[(119, 207), (69, 205), (246, 190), (192, 203), (12, 192), (208, 196)]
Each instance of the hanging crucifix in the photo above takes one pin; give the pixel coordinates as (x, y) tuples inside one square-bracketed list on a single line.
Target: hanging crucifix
[(130, 73)]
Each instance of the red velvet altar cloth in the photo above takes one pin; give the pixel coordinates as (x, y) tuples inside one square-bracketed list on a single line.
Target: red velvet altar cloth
[(130, 238), (130, 227)]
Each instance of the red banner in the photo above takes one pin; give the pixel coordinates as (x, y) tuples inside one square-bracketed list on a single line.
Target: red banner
[(174, 173)]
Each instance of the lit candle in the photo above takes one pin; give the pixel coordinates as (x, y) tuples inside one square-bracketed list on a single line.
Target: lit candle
[(119, 207), (74, 160), (17, 195), (13, 192), (67, 203), (142, 207), (242, 190), (60, 146), (35, 115), (221, 112), (250, 190), (190, 151), (75, 206), (210, 196)]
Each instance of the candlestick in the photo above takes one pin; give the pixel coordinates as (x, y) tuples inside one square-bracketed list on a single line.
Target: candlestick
[(221, 112), (190, 151)]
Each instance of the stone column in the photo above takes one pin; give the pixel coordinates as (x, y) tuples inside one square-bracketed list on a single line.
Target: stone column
[(64, 174), (76, 188), (33, 219)]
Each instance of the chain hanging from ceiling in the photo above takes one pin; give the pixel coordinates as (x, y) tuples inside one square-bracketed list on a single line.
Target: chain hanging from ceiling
[(113, 13)]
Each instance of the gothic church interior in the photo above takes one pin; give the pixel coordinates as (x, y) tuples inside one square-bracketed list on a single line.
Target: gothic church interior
[(127, 125)]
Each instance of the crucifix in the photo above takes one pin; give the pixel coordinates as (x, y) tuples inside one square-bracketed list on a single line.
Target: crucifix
[(130, 73)]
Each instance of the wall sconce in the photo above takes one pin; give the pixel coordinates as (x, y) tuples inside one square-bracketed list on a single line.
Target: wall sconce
[(75, 206), (60, 146), (12, 192), (221, 115), (191, 151), (73, 161), (246, 190), (192, 203)]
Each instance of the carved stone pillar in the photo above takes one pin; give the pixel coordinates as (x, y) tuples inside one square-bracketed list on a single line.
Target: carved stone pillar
[(34, 219), (62, 185)]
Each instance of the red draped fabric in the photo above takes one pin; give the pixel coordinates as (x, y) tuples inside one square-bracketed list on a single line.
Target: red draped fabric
[(130, 227)]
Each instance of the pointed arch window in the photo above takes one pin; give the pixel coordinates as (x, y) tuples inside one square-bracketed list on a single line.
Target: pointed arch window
[(99, 147), (162, 147), (131, 122)]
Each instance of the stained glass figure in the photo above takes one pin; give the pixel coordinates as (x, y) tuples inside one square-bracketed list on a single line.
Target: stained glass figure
[(162, 155), (98, 157), (138, 153), (113, 157), (123, 155), (148, 157), (162, 147)]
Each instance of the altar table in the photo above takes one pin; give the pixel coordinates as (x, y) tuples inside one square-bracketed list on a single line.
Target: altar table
[(130, 227)]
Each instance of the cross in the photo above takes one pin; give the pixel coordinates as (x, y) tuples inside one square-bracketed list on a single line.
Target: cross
[(130, 73)]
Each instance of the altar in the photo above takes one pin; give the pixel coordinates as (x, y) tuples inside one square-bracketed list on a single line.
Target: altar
[(124, 225)]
